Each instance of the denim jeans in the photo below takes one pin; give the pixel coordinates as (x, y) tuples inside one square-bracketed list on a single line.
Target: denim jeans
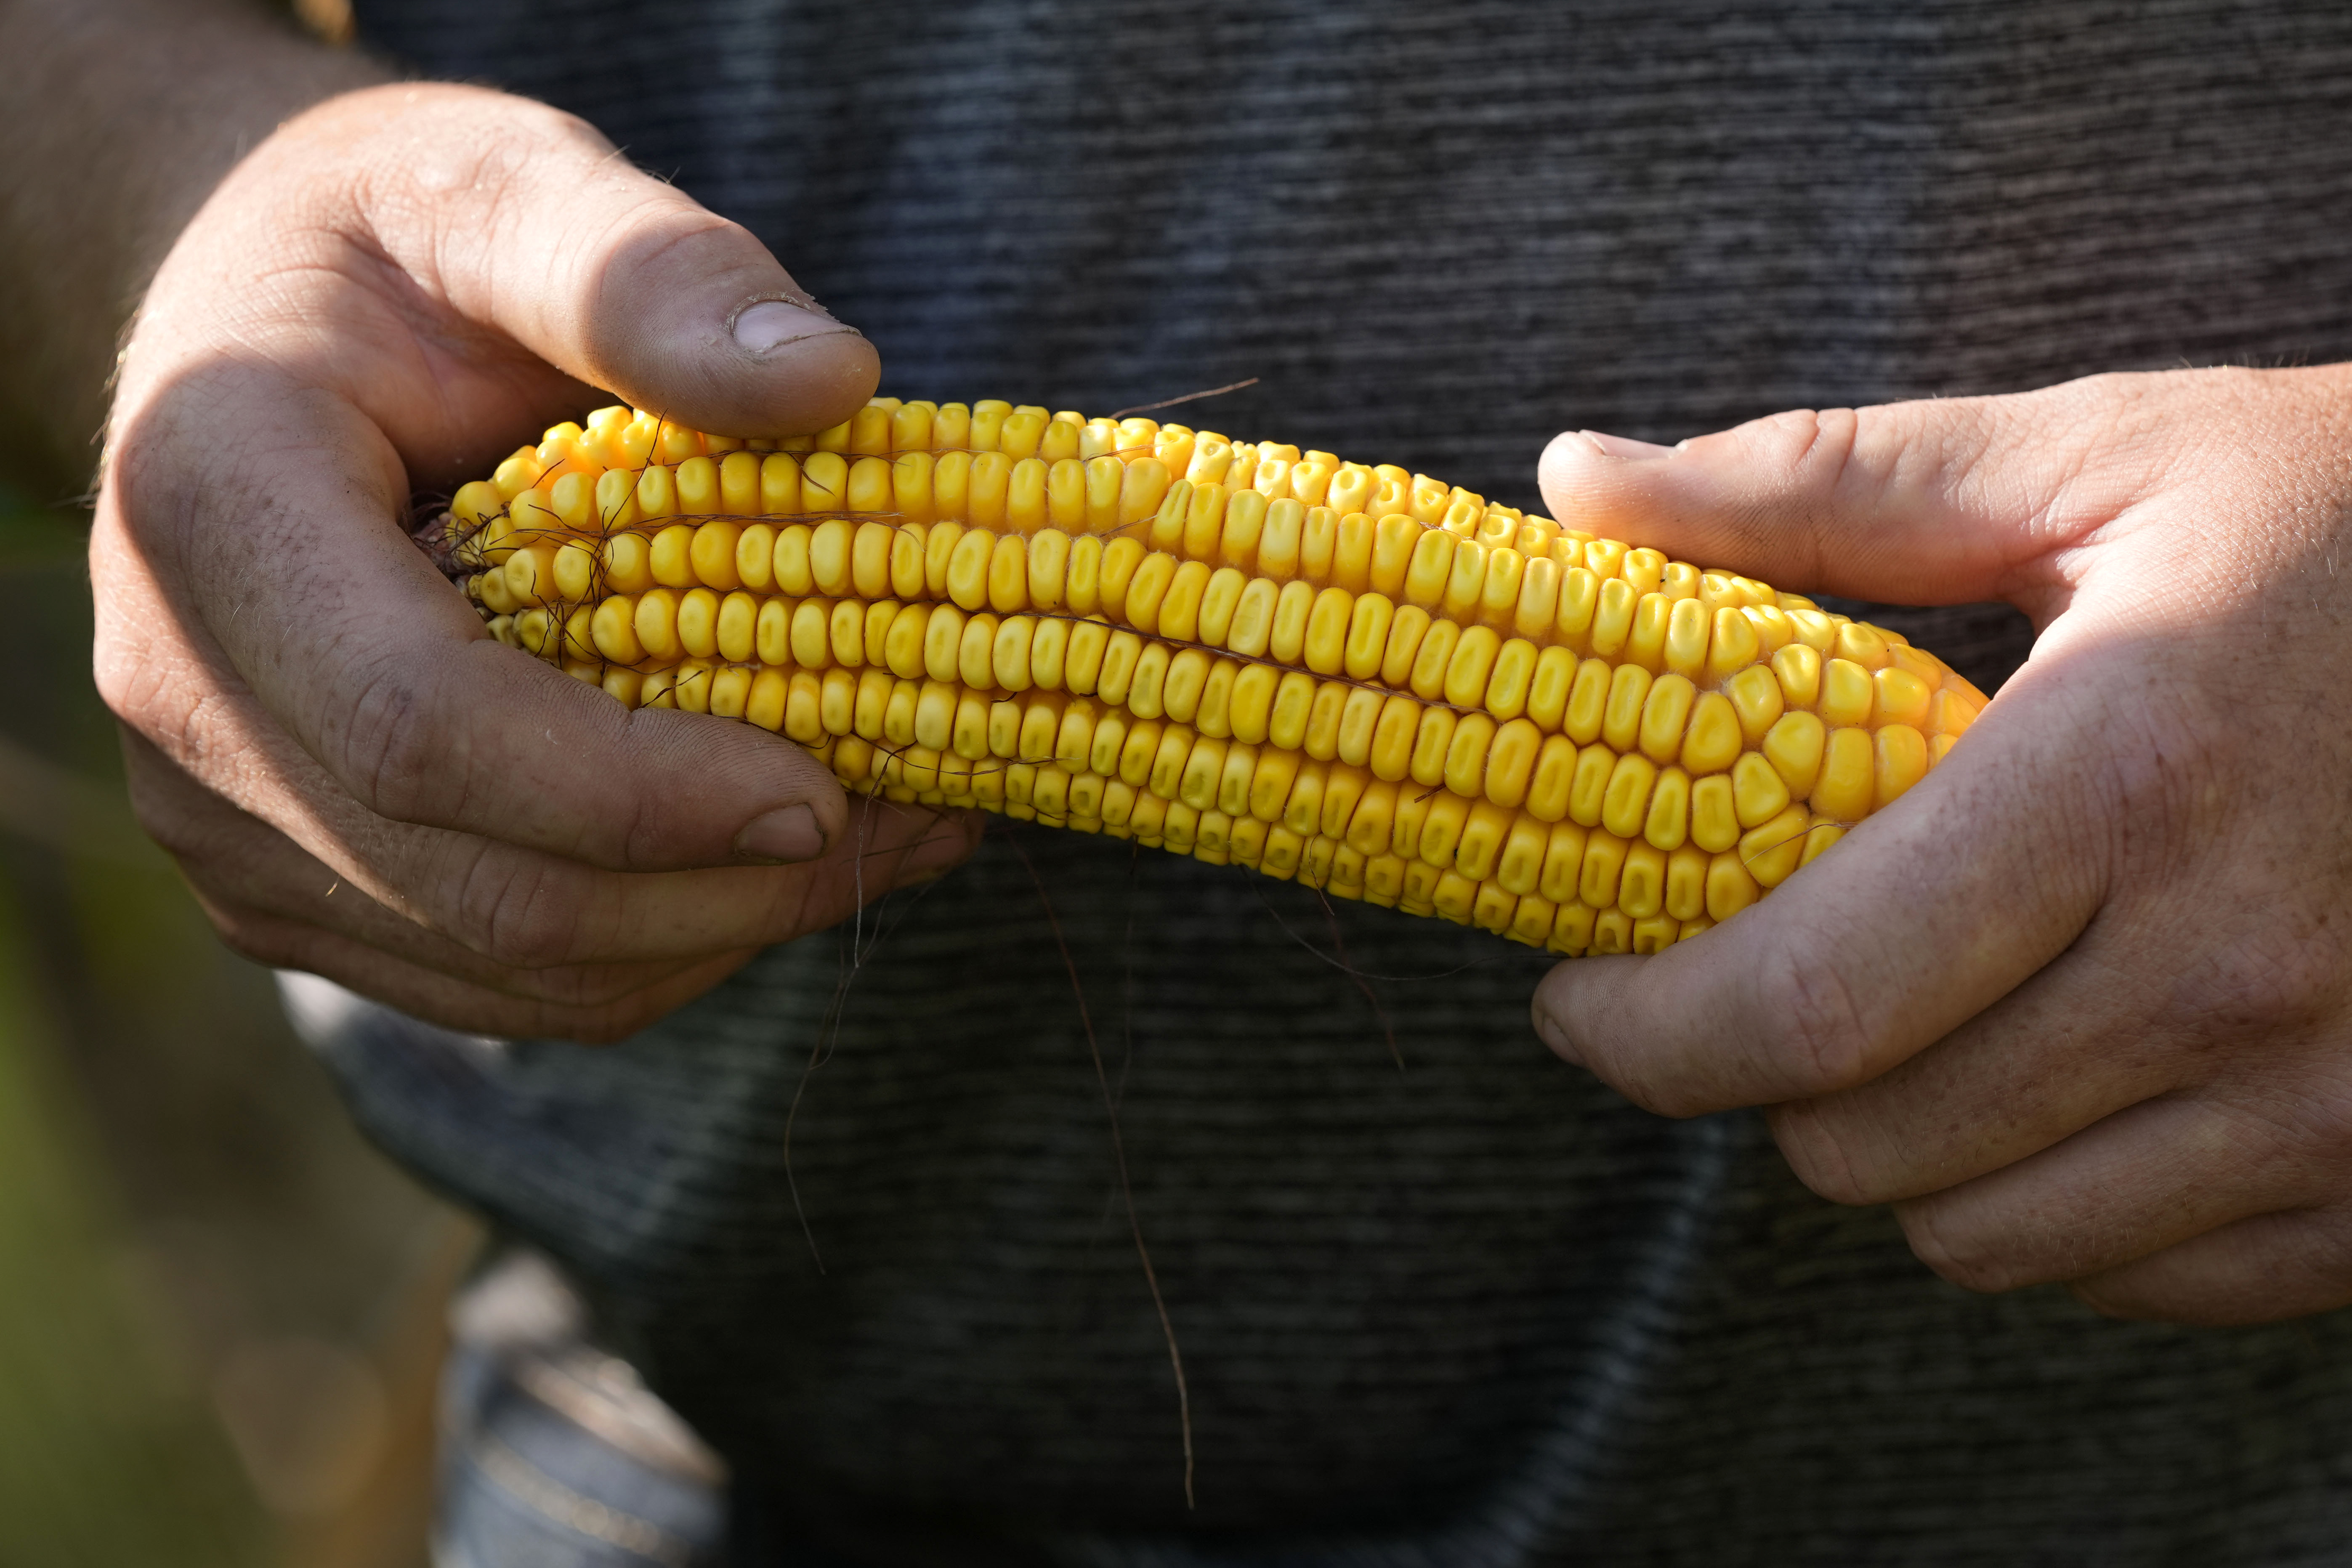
[(554, 1453)]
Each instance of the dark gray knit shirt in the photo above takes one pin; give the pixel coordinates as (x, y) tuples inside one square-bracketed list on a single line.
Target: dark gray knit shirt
[(1474, 1309)]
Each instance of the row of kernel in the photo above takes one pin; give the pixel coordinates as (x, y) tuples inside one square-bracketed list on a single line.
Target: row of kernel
[(1536, 895), (1560, 861), (1522, 745), (1527, 699), (990, 490), (1484, 875), (1471, 558), (1845, 774)]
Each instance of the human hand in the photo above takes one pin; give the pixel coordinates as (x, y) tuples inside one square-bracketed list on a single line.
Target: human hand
[(357, 779), (2079, 1004)]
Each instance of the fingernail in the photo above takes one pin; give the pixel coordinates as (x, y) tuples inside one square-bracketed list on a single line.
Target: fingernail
[(788, 833), (770, 324), (1625, 447)]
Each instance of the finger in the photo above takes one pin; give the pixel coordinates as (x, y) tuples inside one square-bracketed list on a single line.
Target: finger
[(525, 223), (523, 909), (1924, 914), (244, 600), (457, 1003), (1928, 502), (2146, 1178), (2260, 1270), (544, 230), (245, 873), (2083, 1038)]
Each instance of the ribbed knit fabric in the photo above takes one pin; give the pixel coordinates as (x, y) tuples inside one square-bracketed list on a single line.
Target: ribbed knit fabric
[(1473, 1309)]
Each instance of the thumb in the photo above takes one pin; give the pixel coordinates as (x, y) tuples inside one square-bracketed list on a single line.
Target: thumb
[(625, 282), (1928, 502)]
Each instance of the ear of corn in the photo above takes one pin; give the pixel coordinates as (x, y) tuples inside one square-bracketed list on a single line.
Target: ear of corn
[(1361, 678)]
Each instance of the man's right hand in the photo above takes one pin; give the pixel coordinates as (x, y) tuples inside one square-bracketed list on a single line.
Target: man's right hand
[(386, 295)]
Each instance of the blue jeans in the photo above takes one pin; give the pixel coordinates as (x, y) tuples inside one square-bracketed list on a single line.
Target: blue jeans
[(552, 1454)]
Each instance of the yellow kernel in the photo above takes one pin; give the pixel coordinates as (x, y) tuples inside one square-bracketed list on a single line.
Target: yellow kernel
[(1734, 646), (1862, 645), (1848, 778), (1901, 755), (1185, 684), (1625, 802), (1641, 883), (1645, 641), (1009, 656), (1770, 852), (1667, 822), (1146, 588), (1730, 887), (1613, 618), (1899, 697), (1645, 569), (1144, 697), (1604, 861), (1847, 693), (1563, 863), (672, 556), (1793, 747), (975, 656), (1325, 651), (1442, 827), (934, 718), (1950, 713), (1686, 642), (1714, 738), (780, 484), (1813, 628), (1433, 658), (1580, 603), (1519, 866), (1481, 844), (1798, 669), (1465, 754), (1507, 689), (1754, 694), (844, 628), (1686, 883), (1432, 739), (1368, 636), (612, 629), (1555, 775), (1714, 812), (1665, 714), (1549, 689), (1467, 672)]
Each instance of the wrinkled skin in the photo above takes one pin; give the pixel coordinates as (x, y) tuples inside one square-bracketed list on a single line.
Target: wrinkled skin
[(2079, 1004), (388, 294)]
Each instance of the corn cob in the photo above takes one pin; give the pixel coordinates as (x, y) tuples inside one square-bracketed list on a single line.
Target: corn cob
[(1358, 676)]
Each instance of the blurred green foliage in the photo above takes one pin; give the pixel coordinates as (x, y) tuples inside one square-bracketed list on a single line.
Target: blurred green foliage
[(180, 1190)]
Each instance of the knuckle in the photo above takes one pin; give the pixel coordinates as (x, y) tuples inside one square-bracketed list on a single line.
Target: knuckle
[(517, 913), (2266, 984), (394, 750)]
